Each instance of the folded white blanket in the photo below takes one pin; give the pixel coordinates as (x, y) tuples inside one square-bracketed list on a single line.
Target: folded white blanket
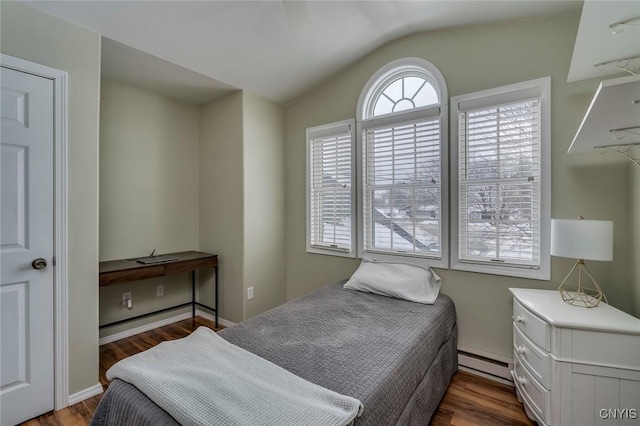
[(205, 380)]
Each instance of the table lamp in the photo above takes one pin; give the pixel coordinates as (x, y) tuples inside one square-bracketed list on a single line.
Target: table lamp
[(583, 240)]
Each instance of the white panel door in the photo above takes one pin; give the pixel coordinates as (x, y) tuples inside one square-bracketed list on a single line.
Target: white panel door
[(26, 234)]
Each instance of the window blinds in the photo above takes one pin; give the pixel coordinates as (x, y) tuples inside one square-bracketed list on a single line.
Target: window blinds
[(499, 183), (401, 190), (330, 188)]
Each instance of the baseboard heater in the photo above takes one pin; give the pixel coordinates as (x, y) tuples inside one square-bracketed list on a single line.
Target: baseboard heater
[(486, 367)]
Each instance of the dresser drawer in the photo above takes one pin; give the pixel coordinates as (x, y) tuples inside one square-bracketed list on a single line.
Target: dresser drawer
[(534, 359), (538, 331), (536, 397)]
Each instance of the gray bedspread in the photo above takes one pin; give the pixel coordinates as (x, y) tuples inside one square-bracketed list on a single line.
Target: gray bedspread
[(395, 356)]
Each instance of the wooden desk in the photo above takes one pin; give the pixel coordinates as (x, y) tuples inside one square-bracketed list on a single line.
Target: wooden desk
[(128, 270)]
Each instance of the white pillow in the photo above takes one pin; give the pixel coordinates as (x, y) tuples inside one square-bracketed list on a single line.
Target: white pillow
[(408, 282)]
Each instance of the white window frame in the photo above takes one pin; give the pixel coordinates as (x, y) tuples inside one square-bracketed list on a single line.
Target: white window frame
[(328, 129), (369, 94), (497, 96)]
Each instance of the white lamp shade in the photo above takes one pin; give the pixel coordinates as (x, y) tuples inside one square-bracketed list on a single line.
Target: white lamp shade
[(582, 239)]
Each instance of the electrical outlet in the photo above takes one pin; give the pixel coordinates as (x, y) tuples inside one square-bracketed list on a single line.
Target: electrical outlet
[(126, 297), (250, 293), (160, 290)]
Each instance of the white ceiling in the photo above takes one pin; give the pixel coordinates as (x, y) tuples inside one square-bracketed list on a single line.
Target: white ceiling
[(596, 43), (276, 49), (135, 68)]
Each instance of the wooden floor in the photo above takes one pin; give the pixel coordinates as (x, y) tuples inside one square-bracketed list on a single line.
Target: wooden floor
[(470, 400)]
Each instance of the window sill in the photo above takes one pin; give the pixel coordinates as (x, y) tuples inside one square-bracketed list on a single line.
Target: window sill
[(331, 252), (541, 274), (406, 259)]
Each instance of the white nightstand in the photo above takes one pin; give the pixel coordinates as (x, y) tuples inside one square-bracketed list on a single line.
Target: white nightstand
[(572, 365)]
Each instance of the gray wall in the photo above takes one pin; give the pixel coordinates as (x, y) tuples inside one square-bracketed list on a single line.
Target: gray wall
[(242, 201), (149, 193), (183, 177), (264, 219), (635, 235), (222, 200), (472, 59), (34, 36)]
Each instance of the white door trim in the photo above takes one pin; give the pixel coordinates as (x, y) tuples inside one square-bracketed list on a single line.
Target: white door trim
[(60, 291)]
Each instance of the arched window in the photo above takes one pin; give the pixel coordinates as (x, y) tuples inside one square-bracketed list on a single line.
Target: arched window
[(404, 93), (402, 85), (402, 153)]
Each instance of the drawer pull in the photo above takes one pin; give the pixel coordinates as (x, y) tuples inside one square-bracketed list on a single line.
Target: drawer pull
[(520, 319), (521, 350), (522, 380)]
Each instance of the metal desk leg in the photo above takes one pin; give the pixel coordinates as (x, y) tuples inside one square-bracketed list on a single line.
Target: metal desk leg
[(193, 295), (216, 291)]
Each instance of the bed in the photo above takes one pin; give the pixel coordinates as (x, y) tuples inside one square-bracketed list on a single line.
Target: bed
[(396, 357)]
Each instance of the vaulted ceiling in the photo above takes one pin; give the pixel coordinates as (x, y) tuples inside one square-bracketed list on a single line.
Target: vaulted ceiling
[(275, 49)]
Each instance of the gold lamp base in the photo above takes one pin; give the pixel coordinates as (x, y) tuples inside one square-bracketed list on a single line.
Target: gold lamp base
[(586, 297)]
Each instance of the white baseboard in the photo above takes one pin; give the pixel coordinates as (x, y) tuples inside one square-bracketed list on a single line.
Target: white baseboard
[(210, 317), (161, 323), (84, 394), (484, 354), (494, 368), (141, 329), (486, 376)]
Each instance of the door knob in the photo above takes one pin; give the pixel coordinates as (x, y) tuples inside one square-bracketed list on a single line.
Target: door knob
[(39, 263)]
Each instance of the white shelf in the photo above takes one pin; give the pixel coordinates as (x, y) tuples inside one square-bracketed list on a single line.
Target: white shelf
[(616, 105)]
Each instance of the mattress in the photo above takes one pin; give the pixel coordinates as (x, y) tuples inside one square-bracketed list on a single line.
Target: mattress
[(395, 356)]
